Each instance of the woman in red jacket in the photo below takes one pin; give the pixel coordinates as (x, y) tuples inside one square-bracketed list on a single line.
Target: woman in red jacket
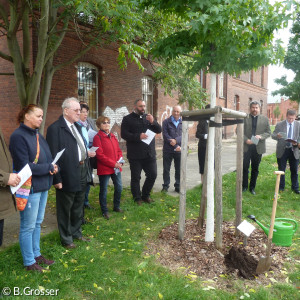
[(109, 157)]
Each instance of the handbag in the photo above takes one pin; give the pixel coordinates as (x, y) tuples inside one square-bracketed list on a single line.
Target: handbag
[(23, 192), (93, 160)]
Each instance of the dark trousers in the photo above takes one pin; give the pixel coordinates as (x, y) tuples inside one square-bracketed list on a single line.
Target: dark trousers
[(148, 165), (167, 161), (251, 156), (201, 158), (69, 210), (288, 155), (1, 231)]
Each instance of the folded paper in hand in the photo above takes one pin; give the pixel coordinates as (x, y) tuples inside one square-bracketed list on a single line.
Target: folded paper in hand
[(150, 137), (25, 173), (254, 140)]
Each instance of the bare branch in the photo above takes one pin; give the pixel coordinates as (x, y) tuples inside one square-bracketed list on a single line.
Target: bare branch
[(4, 16), (6, 56)]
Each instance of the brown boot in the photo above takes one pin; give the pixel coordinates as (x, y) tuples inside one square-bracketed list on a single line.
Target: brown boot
[(42, 260), (35, 267)]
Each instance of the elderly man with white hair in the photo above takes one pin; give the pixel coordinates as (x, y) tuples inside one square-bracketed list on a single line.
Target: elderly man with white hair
[(71, 181)]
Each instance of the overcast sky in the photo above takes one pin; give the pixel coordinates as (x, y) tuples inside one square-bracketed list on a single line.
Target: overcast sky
[(278, 71)]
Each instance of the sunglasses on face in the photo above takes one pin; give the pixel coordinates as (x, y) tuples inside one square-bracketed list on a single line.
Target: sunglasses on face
[(106, 122)]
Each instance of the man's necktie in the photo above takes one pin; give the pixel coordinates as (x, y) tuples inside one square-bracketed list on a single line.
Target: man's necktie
[(81, 146), (289, 145)]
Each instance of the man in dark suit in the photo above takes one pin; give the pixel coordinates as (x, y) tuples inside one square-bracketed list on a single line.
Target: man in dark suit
[(287, 134), (71, 181), (256, 131), (141, 156), (172, 131)]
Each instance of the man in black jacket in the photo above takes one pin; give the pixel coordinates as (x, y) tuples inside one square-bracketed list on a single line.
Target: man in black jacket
[(141, 156), (71, 181)]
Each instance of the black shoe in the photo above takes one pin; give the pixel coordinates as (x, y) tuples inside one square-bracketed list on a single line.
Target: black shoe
[(296, 191), (87, 206), (118, 210), (177, 190), (105, 216), (245, 189), (252, 192), (164, 190)]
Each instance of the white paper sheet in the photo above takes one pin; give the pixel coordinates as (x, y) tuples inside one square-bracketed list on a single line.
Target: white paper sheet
[(91, 134), (93, 149), (246, 228), (150, 137), (254, 140), (25, 173), (58, 155)]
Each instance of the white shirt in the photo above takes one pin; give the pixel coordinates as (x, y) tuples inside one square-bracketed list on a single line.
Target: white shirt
[(79, 135)]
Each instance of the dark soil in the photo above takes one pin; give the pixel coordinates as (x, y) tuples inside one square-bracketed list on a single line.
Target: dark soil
[(197, 258)]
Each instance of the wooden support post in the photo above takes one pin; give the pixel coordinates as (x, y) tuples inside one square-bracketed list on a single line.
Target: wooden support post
[(218, 180), (239, 174), (183, 164), (201, 217), (210, 220)]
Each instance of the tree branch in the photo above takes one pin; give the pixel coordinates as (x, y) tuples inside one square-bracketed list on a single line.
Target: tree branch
[(4, 16), (6, 56)]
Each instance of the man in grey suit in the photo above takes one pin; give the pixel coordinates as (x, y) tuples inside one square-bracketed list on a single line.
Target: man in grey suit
[(287, 134), (256, 131)]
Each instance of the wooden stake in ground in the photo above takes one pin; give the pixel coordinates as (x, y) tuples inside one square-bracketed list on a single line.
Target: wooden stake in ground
[(265, 262)]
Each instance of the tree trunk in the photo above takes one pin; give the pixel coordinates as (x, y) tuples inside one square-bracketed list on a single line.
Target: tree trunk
[(209, 234), (239, 174), (218, 172), (46, 89), (182, 201)]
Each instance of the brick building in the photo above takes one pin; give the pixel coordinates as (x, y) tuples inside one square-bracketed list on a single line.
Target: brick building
[(96, 77), (283, 105)]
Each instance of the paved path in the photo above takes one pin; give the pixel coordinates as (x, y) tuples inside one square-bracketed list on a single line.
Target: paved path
[(11, 225)]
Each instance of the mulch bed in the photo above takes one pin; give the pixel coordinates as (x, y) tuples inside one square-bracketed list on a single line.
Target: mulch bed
[(193, 256)]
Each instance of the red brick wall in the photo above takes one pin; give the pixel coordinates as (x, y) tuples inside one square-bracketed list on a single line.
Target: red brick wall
[(284, 105)]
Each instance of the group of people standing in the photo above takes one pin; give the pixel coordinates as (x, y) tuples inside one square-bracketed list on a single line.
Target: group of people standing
[(73, 173)]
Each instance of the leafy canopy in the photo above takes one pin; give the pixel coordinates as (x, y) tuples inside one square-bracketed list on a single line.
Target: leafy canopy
[(292, 62), (230, 35)]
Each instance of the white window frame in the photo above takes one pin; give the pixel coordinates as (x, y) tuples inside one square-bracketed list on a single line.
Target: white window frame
[(147, 93), (85, 85)]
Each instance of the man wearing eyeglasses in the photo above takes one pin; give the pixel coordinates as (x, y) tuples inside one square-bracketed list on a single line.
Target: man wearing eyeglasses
[(141, 156), (71, 181)]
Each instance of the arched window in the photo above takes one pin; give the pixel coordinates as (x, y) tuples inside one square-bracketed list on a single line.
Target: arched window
[(87, 77), (147, 93)]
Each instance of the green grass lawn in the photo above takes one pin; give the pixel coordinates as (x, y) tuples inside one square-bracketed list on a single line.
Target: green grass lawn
[(115, 264)]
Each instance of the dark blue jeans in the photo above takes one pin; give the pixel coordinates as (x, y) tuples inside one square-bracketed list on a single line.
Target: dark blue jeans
[(288, 155), (167, 161), (103, 182)]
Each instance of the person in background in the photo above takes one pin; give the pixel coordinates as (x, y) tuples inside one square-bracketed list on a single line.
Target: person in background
[(172, 131), (256, 131), (71, 181), (288, 151), (84, 112), (7, 179), (27, 146), (201, 134), (109, 163), (141, 156)]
